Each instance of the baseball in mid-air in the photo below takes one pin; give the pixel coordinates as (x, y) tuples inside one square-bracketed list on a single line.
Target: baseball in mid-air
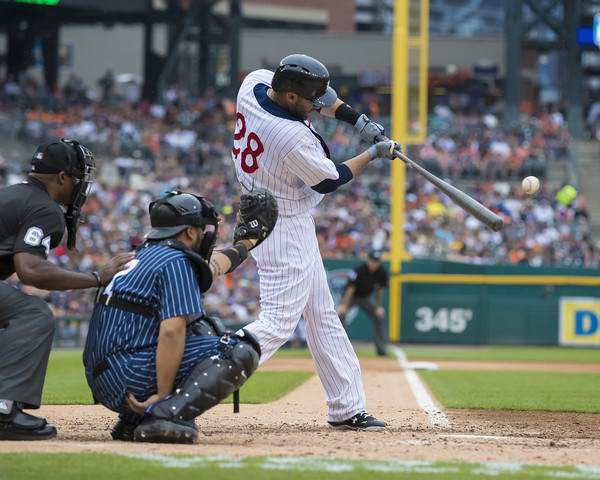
[(530, 184)]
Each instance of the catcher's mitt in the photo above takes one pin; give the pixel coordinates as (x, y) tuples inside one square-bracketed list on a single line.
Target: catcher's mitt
[(257, 216)]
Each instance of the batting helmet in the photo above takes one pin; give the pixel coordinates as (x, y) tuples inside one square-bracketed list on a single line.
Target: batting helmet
[(304, 76), (176, 211)]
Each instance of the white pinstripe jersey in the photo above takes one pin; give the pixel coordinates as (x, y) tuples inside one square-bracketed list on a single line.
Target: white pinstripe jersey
[(274, 150)]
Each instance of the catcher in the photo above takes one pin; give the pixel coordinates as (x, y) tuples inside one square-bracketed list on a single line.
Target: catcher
[(151, 353)]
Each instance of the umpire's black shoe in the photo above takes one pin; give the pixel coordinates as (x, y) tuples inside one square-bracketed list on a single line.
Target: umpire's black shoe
[(159, 430), (362, 421), (123, 430), (18, 425)]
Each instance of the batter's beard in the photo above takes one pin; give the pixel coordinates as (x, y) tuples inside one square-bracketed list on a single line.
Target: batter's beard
[(298, 113), (299, 110)]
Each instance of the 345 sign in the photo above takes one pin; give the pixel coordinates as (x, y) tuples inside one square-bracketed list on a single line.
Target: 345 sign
[(445, 320)]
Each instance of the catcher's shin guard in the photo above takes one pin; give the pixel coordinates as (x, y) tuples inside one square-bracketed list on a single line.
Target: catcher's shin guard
[(210, 381)]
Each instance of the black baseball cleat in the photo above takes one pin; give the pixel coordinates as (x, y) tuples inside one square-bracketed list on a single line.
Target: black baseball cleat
[(158, 430), (123, 430), (18, 425), (362, 421)]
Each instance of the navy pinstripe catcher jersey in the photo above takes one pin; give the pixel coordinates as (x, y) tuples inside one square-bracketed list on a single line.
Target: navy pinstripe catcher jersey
[(29, 222), (162, 278)]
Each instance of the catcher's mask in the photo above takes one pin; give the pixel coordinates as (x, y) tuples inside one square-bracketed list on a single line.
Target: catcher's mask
[(71, 157), (304, 76), (178, 210)]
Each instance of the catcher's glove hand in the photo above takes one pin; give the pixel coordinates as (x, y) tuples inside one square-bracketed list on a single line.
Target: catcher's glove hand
[(257, 216)]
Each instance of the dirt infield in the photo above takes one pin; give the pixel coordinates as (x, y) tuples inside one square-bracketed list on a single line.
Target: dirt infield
[(295, 426)]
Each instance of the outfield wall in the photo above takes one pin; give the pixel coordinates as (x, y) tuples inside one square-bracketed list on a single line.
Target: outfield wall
[(456, 303), (462, 304)]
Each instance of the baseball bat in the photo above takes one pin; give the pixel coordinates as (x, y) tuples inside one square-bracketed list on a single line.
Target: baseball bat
[(467, 203)]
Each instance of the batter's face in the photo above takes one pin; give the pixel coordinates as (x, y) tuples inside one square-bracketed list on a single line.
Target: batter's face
[(300, 107)]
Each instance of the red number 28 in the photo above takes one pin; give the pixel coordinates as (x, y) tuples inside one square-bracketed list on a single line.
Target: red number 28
[(254, 146)]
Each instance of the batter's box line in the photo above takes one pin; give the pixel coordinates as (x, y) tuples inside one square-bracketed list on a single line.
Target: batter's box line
[(436, 416)]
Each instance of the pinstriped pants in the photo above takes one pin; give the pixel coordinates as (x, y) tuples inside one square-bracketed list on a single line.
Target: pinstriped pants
[(293, 282)]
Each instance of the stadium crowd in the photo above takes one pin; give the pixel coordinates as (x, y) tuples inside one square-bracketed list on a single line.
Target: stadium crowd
[(143, 149)]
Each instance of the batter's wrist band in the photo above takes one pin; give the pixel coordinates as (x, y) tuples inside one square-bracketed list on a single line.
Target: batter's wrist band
[(98, 279), (236, 255), (347, 114)]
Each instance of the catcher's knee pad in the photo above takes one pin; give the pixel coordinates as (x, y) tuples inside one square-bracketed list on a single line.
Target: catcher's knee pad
[(208, 326), (211, 381)]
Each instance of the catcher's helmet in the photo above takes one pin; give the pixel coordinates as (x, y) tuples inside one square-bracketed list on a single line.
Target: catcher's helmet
[(176, 211), (304, 76)]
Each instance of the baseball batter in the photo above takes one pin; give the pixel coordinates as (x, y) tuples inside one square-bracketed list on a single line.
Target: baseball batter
[(275, 147)]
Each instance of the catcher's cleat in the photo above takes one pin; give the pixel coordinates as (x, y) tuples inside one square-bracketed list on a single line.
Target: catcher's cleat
[(123, 430), (18, 425), (362, 421), (159, 430)]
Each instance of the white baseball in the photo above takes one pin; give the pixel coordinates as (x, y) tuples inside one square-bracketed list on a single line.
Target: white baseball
[(530, 184)]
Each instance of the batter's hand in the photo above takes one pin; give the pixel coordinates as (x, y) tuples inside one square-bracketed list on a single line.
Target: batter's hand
[(114, 266), (370, 131), (384, 149)]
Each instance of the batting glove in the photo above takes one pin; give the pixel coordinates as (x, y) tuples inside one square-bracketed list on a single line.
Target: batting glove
[(370, 131), (384, 149)]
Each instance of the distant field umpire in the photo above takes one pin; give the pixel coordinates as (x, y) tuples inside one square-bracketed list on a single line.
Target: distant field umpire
[(367, 278), (33, 218)]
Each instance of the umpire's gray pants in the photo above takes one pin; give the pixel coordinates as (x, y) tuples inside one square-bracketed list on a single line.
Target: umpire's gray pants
[(367, 306), (26, 334)]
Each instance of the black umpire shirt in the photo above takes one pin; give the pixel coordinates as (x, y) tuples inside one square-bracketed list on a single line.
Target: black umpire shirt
[(29, 222), (366, 281)]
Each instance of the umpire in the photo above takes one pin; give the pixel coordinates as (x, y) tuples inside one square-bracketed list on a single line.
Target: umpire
[(33, 219), (366, 278)]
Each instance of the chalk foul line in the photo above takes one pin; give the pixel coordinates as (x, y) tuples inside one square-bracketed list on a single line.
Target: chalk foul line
[(436, 417)]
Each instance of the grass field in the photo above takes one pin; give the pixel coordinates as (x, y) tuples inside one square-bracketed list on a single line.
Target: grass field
[(91, 466), (550, 391), (498, 390), (506, 354), (520, 390)]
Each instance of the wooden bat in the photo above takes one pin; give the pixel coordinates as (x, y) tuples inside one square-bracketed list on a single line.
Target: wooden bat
[(467, 203)]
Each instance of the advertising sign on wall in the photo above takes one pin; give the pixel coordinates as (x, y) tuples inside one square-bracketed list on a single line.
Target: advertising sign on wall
[(579, 321)]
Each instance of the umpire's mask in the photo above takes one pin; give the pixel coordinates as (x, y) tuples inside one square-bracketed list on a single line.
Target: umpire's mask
[(176, 211), (86, 165)]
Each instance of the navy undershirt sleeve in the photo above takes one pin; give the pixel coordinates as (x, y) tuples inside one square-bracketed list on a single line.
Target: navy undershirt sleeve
[(329, 185)]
